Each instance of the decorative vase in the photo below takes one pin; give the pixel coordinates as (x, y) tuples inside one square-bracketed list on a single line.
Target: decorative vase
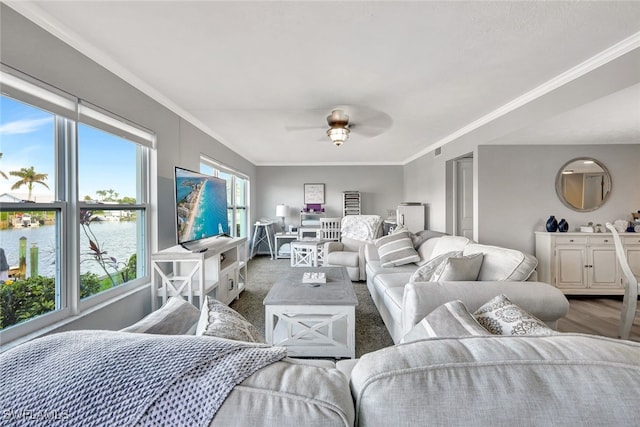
[(563, 226), (552, 224)]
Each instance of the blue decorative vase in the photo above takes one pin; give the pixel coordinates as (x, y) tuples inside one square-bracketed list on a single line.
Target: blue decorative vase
[(563, 226), (552, 224)]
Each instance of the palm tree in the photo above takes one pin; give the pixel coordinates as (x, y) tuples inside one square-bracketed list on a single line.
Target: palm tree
[(28, 177), (2, 173)]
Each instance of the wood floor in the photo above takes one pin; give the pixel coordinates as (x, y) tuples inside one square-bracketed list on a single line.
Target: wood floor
[(597, 316)]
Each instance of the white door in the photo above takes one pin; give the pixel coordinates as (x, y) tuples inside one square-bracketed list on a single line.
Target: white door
[(464, 198)]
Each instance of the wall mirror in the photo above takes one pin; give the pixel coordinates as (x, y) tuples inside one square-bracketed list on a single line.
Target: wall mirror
[(583, 184)]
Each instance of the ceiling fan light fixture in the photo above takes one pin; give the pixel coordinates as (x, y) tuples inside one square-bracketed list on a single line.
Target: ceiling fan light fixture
[(338, 135)]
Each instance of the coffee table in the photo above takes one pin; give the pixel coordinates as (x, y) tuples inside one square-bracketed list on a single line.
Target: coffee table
[(312, 320)]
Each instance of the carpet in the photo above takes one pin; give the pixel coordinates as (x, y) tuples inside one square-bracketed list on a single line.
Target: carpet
[(371, 333)]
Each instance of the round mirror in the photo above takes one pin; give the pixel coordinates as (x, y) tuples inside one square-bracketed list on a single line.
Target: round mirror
[(583, 184)]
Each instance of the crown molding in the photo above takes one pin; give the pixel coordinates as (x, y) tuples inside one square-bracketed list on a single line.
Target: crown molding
[(617, 50)]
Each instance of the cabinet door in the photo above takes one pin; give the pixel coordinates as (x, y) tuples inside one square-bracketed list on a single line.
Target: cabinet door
[(633, 256), (603, 268), (570, 267)]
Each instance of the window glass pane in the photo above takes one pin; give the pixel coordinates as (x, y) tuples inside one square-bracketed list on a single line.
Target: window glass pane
[(111, 233), (29, 278), (27, 159), (241, 185), (107, 166), (229, 178)]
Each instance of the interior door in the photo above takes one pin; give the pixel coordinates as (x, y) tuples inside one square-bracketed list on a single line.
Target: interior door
[(464, 197)]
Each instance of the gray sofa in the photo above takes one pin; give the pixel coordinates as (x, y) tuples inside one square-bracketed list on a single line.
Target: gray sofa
[(504, 271)]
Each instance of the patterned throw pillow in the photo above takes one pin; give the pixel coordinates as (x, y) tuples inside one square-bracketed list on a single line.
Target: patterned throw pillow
[(219, 320), (451, 319), (502, 317), (396, 249), (175, 317), (459, 268), (426, 271)]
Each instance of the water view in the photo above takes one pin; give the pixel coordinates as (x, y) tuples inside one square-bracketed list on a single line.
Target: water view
[(118, 239)]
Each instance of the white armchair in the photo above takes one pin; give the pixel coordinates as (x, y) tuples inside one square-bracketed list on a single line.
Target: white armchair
[(356, 230)]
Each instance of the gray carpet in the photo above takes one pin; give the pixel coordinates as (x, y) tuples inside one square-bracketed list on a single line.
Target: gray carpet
[(371, 334)]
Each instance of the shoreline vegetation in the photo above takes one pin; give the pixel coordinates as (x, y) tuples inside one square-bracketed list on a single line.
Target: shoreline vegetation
[(194, 205)]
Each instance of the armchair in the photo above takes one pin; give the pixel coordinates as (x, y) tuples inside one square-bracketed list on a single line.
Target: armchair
[(356, 232)]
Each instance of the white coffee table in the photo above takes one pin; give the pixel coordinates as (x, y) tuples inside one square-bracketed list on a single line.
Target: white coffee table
[(312, 321)]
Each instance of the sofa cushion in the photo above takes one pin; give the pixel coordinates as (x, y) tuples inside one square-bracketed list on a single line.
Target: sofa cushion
[(502, 317), (451, 319), (459, 268), (448, 244), (219, 320), (425, 272), (396, 249), (176, 317), (502, 263)]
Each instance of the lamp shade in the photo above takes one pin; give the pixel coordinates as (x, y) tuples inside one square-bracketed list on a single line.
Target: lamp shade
[(282, 210)]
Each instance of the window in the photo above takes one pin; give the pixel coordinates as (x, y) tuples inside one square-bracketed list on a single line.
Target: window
[(73, 187), (237, 195)]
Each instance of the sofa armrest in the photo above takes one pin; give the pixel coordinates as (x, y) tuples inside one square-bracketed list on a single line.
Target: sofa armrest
[(371, 252), (333, 247), (544, 301)]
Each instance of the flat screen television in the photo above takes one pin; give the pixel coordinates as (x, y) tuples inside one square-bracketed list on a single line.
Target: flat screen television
[(201, 207)]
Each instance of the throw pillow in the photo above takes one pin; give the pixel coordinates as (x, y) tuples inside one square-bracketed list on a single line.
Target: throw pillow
[(219, 320), (396, 249), (459, 268), (175, 317), (451, 319), (425, 272), (502, 317)]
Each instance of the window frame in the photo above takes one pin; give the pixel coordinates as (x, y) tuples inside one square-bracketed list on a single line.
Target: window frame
[(67, 204)]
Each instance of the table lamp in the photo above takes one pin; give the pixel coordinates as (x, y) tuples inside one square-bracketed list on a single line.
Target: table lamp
[(282, 211)]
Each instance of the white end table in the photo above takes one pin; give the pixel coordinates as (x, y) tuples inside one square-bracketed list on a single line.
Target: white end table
[(307, 253)]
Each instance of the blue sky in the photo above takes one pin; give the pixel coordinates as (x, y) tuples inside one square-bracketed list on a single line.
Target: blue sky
[(27, 139)]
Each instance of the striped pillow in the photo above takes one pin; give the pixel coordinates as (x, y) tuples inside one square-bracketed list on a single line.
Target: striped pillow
[(451, 319), (396, 249)]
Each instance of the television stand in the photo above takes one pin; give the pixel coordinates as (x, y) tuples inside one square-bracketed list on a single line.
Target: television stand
[(218, 268)]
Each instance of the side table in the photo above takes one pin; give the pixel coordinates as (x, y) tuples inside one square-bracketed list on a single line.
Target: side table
[(307, 253), (282, 238)]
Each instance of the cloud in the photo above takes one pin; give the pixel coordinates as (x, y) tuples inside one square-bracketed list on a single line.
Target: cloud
[(23, 126)]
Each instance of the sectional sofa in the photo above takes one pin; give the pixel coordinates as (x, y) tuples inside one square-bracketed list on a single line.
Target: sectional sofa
[(403, 303)]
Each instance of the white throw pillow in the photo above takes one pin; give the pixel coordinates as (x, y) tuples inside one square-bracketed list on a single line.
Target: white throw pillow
[(451, 319), (396, 249), (425, 272), (175, 317), (219, 320), (502, 317), (459, 268)]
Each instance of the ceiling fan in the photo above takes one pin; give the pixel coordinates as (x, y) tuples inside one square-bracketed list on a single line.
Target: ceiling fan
[(338, 131), (368, 122)]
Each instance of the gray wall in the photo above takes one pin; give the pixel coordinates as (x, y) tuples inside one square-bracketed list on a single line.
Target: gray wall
[(516, 189), (381, 188), (33, 51)]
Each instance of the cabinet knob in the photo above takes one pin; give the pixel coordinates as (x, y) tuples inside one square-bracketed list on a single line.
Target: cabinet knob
[(606, 240), (571, 240)]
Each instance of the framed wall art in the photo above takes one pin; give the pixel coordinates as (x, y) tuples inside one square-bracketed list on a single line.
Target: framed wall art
[(314, 194)]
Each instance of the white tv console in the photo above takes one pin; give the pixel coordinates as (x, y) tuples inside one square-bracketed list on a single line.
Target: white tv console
[(219, 271)]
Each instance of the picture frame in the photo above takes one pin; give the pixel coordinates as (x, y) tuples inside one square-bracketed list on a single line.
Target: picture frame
[(314, 193)]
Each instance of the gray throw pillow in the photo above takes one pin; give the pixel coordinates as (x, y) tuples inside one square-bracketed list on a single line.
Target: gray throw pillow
[(451, 319), (219, 320), (459, 268), (396, 249), (175, 317), (502, 317), (425, 272)]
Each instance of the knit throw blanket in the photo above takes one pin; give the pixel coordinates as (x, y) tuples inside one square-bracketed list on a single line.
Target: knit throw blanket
[(361, 227), (95, 378)]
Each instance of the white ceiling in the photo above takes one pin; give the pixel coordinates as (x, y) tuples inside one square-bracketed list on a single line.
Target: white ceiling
[(261, 77)]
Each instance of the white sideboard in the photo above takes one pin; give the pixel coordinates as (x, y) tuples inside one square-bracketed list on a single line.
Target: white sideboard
[(219, 271), (585, 263)]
